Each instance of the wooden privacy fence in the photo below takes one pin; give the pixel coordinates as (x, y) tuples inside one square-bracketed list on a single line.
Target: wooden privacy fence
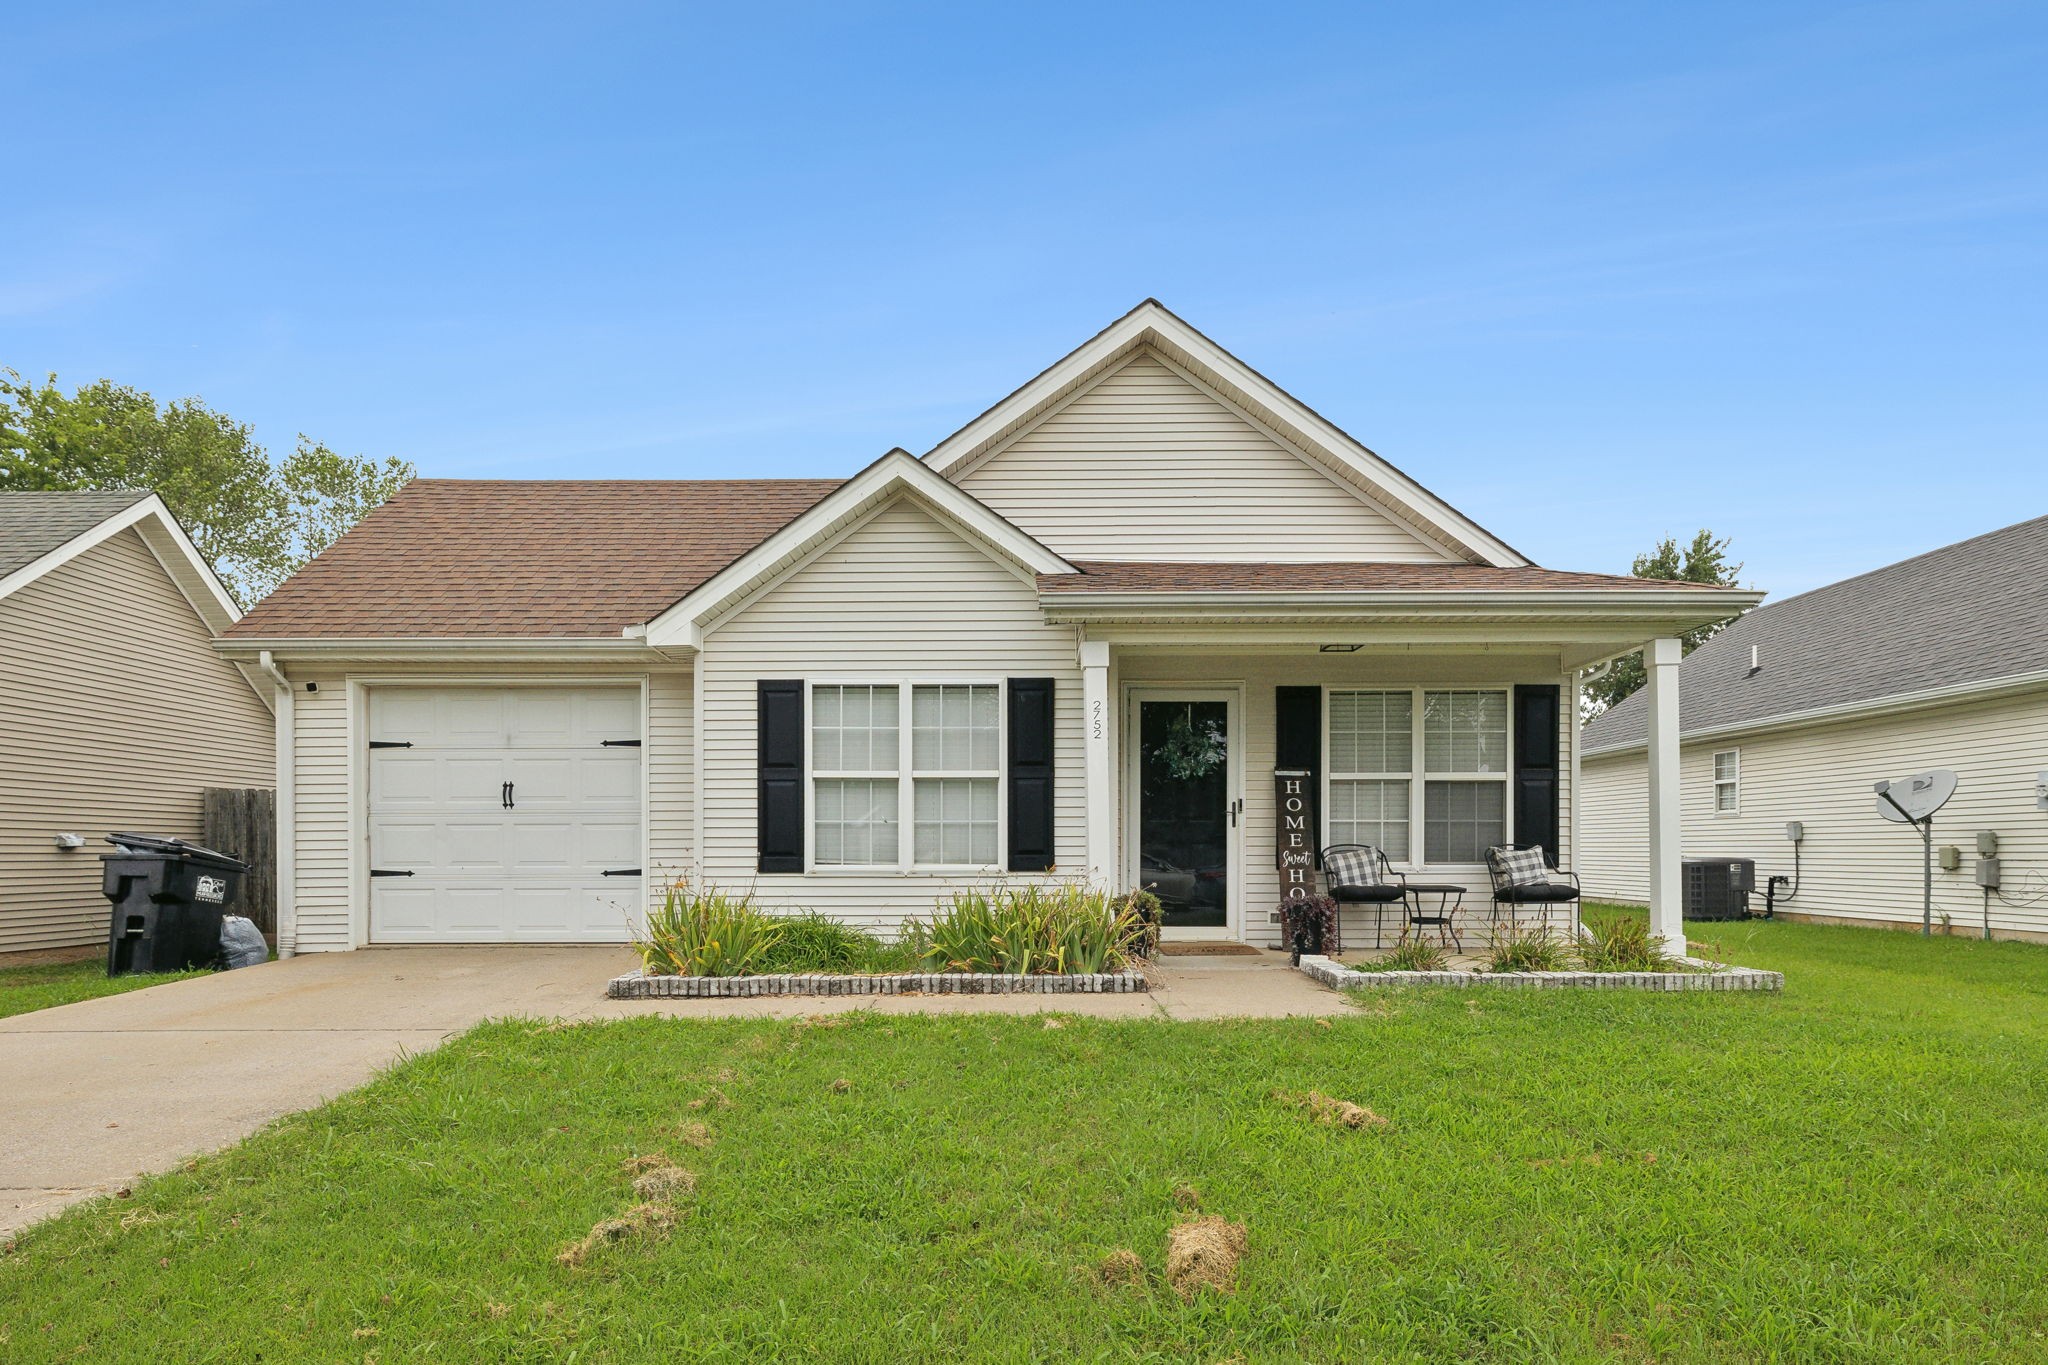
[(242, 823)]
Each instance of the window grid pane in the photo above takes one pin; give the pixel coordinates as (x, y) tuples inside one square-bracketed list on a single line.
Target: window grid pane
[(1465, 732), (1373, 813), (956, 821), (856, 822), (1461, 820), (854, 729), (1372, 732), (955, 728)]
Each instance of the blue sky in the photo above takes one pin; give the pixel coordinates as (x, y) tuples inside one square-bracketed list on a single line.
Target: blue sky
[(1595, 273)]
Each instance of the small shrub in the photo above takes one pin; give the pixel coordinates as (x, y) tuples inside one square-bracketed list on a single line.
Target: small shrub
[(705, 932), (1032, 929), (1625, 945), (813, 943), (1410, 955), (1516, 949)]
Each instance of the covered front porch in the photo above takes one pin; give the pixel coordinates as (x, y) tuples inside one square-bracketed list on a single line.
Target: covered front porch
[(1431, 730)]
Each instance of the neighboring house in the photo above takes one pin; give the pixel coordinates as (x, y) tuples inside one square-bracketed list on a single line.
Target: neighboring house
[(115, 708), (1796, 712), (1075, 639)]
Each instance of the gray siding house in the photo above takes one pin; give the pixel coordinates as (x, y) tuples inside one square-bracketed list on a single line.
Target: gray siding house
[(1796, 711)]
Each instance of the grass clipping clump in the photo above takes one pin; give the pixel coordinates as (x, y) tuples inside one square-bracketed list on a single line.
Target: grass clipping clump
[(659, 1180), (642, 1220), (1204, 1254), (1121, 1269), (1327, 1109)]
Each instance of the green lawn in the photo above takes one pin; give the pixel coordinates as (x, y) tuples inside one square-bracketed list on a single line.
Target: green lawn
[(59, 983), (1854, 1170)]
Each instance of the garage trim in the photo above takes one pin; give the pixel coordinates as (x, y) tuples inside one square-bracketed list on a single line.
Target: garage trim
[(359, 687)]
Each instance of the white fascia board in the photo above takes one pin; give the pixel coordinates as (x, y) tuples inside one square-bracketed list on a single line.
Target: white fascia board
[(1693, 607), (1150, 322), (898, 471), (166, 540), (453, 649), (1982, 689)]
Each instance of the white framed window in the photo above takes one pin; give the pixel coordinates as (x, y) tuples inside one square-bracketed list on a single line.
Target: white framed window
[(956, 768), (1465, 764), (873, 776), (1372, 770), (856, 752), (1728, 782), (1396, 751)]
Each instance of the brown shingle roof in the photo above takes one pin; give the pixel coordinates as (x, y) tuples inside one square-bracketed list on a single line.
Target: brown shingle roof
[(544, 558), (1132, 576)]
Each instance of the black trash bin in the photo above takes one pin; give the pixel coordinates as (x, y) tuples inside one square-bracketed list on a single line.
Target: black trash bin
[(167, 897)]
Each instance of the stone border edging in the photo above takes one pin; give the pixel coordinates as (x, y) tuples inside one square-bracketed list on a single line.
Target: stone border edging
[(641, 986), (1326, 972)]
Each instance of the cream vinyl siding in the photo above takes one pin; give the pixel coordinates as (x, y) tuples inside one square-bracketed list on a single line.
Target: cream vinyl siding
[(900, 596), (326, 810), (114, 714), (1261, 674), (1614, 801), (1146, 465), (1853, 865)]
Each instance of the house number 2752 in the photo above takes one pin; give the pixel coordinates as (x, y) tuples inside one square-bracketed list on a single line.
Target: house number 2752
[(1096, 728)]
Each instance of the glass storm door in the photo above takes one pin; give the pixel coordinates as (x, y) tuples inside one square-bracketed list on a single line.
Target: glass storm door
[(1185, 780)]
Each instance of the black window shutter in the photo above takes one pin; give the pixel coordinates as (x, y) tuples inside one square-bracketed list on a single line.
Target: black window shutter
[(779, 762), (1030, 774), (1536, 767), (1298, 744)]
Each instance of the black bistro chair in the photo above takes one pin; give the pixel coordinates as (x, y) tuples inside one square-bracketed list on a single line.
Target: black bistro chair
[(1359, 874), (1522, 876)]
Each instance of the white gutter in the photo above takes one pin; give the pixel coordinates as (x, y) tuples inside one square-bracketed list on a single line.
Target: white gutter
[(287, 809), (1980, 690)]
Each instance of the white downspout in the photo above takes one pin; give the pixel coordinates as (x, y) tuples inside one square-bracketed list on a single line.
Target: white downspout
[(287, 809)]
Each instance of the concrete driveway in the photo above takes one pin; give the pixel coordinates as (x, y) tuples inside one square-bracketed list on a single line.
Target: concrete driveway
[(103, 1092)]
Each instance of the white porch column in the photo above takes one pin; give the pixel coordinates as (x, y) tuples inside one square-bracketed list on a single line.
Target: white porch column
[(1660, 662), (1098, 769)]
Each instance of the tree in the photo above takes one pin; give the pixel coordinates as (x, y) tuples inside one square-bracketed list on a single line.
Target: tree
[(1705, 560), (257, 521)]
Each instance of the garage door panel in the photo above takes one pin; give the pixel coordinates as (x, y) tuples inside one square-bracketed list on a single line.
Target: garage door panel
[(481, 872)]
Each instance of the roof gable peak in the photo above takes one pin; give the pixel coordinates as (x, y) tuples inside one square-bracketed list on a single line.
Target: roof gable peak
[(1151, 325)]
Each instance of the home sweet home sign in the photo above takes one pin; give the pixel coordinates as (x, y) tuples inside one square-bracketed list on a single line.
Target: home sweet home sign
[(1295, 833)]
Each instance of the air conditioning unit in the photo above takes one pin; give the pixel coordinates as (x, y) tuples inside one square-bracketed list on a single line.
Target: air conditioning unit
[(1718, 888)]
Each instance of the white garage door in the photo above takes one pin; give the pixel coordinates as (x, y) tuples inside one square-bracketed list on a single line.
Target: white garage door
[(504, 815)]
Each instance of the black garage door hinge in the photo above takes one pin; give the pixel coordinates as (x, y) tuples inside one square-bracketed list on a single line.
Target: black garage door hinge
[(621, 872), (618, 743), (387, 872), (390, 744)]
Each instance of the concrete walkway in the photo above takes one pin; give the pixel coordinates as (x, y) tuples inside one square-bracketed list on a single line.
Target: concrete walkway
[(102, 1092)]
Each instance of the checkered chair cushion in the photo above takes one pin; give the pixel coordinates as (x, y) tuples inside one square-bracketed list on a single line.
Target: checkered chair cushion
[(1352, 867), (1518, 866)]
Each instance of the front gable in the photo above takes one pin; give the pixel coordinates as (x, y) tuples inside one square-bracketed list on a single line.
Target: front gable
[(1146, 463), (1150, 441)]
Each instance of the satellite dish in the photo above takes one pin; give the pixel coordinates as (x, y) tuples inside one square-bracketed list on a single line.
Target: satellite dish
[(1916, 798)]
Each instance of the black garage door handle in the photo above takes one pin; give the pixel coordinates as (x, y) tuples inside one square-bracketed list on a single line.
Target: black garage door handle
[(621, 872)]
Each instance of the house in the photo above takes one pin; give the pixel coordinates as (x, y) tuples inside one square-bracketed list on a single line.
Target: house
[(115, 708), (1074, 639), (1796, 712)]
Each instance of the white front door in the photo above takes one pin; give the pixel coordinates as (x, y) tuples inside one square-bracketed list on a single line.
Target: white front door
[(504, 815), (1183, 774)]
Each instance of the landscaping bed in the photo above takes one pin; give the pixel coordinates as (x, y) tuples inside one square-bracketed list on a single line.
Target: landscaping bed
[(643, 986), (1698, 976), (1058, 938)]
